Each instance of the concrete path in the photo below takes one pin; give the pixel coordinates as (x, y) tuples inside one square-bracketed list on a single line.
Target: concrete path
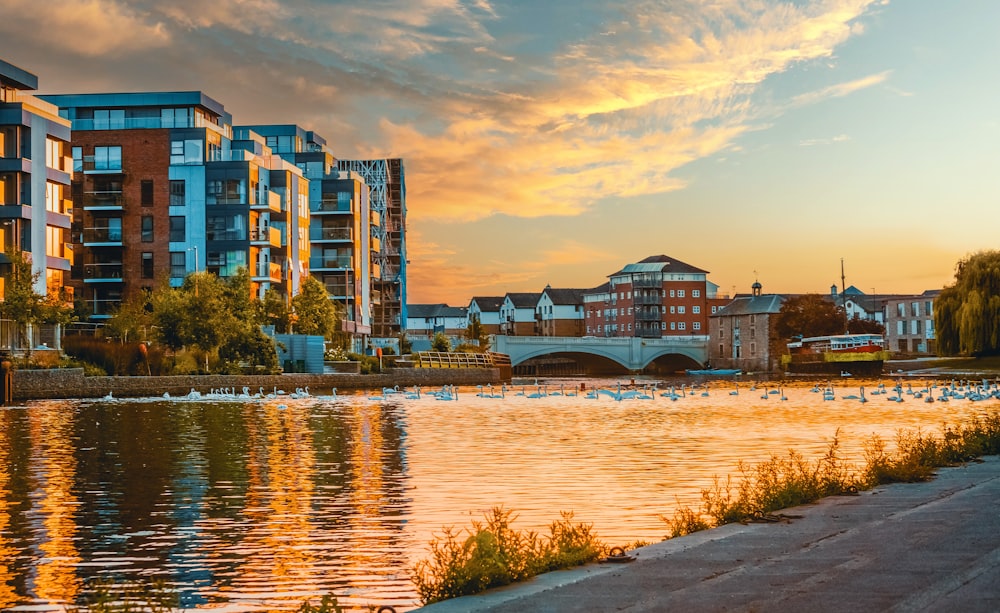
[(931, 546)]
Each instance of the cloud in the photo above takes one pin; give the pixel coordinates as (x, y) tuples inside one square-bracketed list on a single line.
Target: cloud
[(90, 28), (840, 90), (812, 142)]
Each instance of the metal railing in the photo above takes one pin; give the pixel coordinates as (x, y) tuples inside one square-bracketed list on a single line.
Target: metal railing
[(440, 359)]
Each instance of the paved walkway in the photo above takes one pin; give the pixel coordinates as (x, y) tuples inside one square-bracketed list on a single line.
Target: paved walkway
[(931, 546)]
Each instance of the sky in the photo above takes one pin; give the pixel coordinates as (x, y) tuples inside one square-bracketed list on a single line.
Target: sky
[(551, 143)]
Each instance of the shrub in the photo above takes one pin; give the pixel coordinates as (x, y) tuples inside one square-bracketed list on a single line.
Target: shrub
[(494, 554)]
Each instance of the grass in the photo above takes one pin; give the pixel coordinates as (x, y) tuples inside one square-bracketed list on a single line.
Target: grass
[(788, 481), (492, 553)]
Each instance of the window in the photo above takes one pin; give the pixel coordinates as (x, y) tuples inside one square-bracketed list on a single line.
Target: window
[(915, 309), (108, 158), (753, 348), (663, 325), (901, 309), (77, 159), (722, 350), (146, 192), (696, 309), (927, 308), (696, 293), (680, 293), (673, 309), (671, 293), (673, 325), (177, 229), (915, 326), (696, 325), (177, 190), (900, 329), (682, 325), (147, 265), (178, 264), (714, 308), (681, 309), (147, 228)]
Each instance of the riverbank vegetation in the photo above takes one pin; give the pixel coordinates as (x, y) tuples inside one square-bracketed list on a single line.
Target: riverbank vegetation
[(492, 553)]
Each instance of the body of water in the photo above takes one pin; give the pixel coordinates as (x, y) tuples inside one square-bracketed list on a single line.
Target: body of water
[(242, 503)]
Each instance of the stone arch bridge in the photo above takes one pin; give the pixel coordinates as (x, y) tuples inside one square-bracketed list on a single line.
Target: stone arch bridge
[(634, 354)]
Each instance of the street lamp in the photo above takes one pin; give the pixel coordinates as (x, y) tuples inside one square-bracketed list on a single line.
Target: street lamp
[(195, 248)]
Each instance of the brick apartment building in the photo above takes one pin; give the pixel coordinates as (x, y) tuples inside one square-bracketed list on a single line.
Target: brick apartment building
[(656, 297)]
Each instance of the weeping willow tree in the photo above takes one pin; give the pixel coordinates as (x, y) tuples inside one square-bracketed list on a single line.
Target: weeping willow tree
[(967, 313)]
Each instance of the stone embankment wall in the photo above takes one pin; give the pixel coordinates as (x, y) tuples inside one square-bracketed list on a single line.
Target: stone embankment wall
[(71, 383)]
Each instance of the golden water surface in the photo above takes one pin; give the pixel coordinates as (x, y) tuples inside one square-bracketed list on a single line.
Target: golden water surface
[(248, 504)]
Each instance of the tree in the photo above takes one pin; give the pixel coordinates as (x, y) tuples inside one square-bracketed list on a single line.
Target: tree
[(810, 315), (476, 332), (276, 311), (315, 313), (21, 303), (252, 347), (244, 306), (856, 325), (441, 343), (130, 319), (967, 313)]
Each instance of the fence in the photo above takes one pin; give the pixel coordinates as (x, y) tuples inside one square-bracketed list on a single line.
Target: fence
[(440, 359)]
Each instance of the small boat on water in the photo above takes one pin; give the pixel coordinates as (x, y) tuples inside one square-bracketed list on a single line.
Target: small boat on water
[(717, 372)]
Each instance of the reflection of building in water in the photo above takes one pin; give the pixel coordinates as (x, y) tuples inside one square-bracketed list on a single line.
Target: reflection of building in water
[(276, 551), (52, 469), (8, 553)]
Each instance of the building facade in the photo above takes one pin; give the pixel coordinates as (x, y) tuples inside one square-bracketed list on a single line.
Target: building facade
[(742, 334), (386, 182), (36, 204), (517, 313), (344, 233), (162, 183), (559, 312), (486, 310), (656, 297), (424, 321), (909, 327)]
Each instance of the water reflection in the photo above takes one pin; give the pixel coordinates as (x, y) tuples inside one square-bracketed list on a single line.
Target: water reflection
[(259, 504)]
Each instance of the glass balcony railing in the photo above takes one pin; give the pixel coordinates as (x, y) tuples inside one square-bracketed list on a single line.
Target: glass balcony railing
[(102, 235), (321, 262), (103, 271)]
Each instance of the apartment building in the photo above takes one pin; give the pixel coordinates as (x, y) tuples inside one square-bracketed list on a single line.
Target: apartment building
[(386, 181), (655, 297), (35, 178), (909, 326), (424, 321), (162, 183), (344, 232)]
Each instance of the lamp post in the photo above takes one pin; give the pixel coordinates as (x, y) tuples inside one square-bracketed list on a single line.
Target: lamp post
[(195, 249)]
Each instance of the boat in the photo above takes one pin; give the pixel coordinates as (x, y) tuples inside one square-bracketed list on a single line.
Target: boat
[(846, 354), (717, 372)]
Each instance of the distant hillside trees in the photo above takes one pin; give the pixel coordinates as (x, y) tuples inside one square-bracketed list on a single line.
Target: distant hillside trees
[(810, 315), (967, 313)]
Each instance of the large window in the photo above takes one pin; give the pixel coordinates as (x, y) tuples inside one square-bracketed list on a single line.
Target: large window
[(147, 228), (227, 191), (109, 119), (191, 151), (226, 228), (178, 264), (146, 192), (108, 158), (147, 265), (177, 193), (177, 229)]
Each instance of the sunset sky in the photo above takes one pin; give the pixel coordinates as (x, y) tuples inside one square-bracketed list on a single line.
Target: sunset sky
[(551, 142)]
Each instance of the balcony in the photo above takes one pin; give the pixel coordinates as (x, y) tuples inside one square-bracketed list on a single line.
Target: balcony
[(646, 282), (266, 201), (646, 299), (91, 167), (109, 200), (647, 314), (268, 271), (265, 236), (318, 263), (103, 272), (321, 234), (332, 205), (102, 237)]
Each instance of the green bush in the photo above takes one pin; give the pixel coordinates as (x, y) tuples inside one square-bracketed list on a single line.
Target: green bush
[(494, 554)]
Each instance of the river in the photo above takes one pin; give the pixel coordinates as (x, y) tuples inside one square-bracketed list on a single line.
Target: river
[(248, 504)]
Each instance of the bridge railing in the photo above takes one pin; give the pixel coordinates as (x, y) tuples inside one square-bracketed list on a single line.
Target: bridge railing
[(441, 359)]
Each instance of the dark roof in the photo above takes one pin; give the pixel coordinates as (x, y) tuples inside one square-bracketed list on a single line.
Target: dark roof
[(751, 305), (659, 263), (488, 304), (523, 300), (603, 288), (564, 295), (434, 310), (18, 78)]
